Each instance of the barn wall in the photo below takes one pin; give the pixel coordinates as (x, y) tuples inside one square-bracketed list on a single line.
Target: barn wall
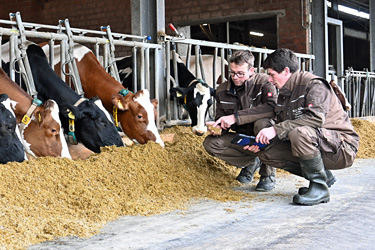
[(291, 34), (91, 14)]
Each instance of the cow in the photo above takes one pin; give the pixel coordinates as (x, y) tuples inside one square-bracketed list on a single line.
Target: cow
[(134, 112), (83, 120), (11, 148), (207, 65), (41, 135), (193, 94)]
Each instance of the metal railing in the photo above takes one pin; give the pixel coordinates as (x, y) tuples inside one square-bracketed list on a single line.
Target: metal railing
[(145, 73), (181, 46), (359, 87)]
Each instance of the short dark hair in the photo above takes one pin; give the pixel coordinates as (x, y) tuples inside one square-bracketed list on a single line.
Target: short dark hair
[(280, 59), (240, 57)]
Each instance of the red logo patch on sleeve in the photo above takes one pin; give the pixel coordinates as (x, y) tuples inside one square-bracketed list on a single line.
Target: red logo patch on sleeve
[(269, 94), (310, 105)]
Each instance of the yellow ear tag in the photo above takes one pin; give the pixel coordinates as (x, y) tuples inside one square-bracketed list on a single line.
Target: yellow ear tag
[(71, 115), (178, 94), (26, 119), (115, 116), (120, 105), (185, 99), (40, 118)]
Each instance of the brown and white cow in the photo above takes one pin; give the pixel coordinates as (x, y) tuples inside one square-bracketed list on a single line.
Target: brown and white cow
[(42, 136), (135, 112)]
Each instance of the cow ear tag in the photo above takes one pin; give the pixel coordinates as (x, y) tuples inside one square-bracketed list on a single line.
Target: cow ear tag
[(120, 106), (40, 117), (178, 94), (71, 115)]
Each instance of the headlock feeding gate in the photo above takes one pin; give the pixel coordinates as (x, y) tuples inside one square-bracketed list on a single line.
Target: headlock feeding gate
[(150, 62)]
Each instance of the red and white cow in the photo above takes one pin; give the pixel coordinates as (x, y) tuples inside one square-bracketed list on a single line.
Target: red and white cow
[(136, 112), (84, 120), (11, 148), (42, 136)]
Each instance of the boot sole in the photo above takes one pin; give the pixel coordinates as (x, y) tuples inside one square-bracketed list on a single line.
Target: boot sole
[(326, 200)]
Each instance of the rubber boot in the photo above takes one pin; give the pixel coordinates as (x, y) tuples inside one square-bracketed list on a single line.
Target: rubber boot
[(331, 179), (247, 173), (295, 168), (313, 170)]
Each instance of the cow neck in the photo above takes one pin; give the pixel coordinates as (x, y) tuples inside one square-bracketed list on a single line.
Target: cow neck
[(71, 134)]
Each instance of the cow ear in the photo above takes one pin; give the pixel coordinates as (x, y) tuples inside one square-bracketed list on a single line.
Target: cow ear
[(38, 117), (155, 102), (119, 102), (177, 92)]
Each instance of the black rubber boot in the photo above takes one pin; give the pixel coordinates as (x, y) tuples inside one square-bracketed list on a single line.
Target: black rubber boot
[(331, 179), (295, 168), (247, 173), (313, 170)]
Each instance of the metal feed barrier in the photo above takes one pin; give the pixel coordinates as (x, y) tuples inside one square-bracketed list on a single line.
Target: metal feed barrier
[(190, 47), (18, 32), (145, 73), (359, 87)]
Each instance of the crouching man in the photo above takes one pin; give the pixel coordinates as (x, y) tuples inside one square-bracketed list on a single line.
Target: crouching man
[(312, 133)]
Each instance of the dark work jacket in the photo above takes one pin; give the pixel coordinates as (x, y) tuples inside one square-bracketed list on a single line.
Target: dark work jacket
[(255, 100), (307, 100)]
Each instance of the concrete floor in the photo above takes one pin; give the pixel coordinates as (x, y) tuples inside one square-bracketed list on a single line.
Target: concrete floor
[(269, 222)]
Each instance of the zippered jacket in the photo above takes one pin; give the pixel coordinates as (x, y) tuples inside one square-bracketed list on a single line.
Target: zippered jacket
[(256, 99), (307, 100)]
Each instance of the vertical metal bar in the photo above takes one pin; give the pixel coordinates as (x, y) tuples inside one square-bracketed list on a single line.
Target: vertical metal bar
[(142, 69), (222, 51), (147, 69), (168, 78), (51, 44), (135, 71), (63, 52)]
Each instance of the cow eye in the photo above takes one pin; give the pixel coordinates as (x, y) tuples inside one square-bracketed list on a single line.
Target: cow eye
[(140, 116)]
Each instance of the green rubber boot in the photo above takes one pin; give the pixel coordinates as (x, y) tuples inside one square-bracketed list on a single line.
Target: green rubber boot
[(313, 170)]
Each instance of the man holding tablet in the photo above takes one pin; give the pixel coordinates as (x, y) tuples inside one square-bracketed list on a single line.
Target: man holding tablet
[(244, 105)]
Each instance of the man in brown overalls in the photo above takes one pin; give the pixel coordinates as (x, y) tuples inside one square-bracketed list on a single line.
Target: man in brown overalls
[(244, 104), (312, 133)]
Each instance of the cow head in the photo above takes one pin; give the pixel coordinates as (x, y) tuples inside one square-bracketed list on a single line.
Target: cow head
[(136, 116), (43, 135), (196, 99), (92, 123), (10, 144)]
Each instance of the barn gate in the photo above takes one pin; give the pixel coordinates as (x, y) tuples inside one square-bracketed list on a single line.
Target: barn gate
[(147, 58)]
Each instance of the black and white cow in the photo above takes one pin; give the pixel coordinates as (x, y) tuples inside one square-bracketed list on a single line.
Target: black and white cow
[(193, 94), (93, 125), (11, 148)]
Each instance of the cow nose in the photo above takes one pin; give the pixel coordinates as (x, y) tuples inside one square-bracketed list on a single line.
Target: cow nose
[(200, 133)]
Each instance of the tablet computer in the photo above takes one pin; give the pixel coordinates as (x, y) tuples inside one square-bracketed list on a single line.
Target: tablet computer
[(243, 140)]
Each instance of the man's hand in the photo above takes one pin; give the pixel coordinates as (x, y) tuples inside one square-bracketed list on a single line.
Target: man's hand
[(225, 121), (213, 130), (265, 135)]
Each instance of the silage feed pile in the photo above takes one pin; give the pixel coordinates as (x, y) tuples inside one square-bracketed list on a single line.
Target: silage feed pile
[(366, 132), (47, 198)]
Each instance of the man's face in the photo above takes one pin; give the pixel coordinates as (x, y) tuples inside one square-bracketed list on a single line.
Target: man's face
[(240, 73), (278, 79)]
